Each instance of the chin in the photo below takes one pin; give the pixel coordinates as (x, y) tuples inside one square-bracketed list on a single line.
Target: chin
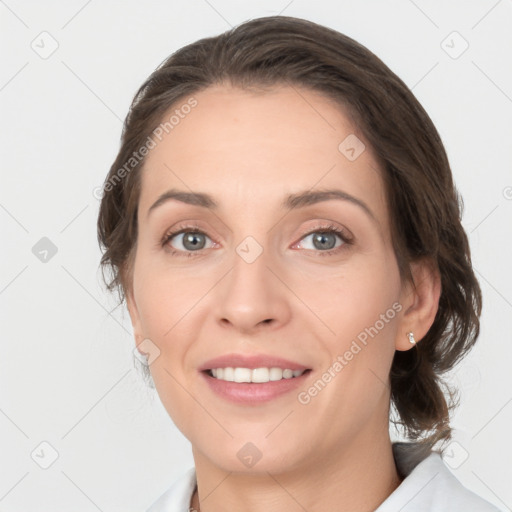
[(254, 458)]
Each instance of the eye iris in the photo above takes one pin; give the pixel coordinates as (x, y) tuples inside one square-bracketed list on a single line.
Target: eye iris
[(321, 238), (191, 238)]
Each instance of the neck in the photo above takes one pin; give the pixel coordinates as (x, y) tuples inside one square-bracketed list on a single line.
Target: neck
[(355, 478)]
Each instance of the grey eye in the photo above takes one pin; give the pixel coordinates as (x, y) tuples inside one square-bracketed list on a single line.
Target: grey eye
[(324, 240), (193, 241)]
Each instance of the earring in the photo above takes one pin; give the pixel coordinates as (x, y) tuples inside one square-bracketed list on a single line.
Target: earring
[(410, 335)]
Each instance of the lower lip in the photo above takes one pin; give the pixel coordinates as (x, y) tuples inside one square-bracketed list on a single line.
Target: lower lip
[(249, 392)]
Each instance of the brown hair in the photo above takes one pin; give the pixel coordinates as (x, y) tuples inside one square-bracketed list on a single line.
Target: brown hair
[(425, 208)]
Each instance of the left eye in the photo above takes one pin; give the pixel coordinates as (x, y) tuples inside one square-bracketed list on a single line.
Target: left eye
[(325, 240)]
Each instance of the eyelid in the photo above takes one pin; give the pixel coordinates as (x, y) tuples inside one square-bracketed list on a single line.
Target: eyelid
[(329, 228)]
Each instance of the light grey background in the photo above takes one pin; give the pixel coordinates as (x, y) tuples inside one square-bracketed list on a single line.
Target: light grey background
[(66, 365)]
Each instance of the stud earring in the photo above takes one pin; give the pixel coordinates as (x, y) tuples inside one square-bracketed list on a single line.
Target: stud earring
[(410, 335)]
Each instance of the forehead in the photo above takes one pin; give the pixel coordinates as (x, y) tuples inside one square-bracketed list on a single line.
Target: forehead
[(253, 149)]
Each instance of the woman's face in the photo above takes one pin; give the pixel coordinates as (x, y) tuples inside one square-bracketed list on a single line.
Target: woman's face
[(267, 276)]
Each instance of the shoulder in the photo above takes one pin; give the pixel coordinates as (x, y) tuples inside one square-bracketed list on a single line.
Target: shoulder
[(177, 497), (432, 487), (452, 494)]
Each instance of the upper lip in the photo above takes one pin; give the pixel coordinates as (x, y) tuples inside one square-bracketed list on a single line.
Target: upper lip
[(251, 362)]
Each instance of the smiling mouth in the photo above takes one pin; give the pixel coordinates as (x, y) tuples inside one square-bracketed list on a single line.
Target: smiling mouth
[(254, 376)]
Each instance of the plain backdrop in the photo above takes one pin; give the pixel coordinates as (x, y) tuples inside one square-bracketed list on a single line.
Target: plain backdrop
[(71, 397)]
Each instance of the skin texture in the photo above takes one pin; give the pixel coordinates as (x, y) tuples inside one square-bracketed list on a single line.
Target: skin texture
[(249, 151)]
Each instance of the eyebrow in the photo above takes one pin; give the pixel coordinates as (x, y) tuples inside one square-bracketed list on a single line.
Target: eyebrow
[(291, 202)]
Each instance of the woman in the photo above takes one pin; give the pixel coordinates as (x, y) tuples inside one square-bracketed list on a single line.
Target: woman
[(282, 222)]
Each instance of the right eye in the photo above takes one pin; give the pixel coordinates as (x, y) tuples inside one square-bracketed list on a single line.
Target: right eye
[(191, 240)]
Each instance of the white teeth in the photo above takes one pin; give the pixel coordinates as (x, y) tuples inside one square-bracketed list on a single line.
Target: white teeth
[(228, 374), (275, 374), (259, 375), (242, 375)]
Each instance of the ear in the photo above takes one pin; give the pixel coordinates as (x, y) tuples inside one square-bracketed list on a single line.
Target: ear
[(420, 301), (134, 316)]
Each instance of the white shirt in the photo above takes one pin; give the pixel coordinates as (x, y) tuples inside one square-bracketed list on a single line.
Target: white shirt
[(428, 486)]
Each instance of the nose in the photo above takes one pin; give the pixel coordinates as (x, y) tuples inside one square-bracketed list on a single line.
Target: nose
[(253, 296)]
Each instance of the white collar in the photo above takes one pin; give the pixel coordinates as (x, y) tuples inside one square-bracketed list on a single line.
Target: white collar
[(428, 486)]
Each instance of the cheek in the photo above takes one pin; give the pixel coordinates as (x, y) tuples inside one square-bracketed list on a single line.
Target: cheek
[(169, 303), (361, 308), (163, 302), (163, 296), (353, 298), (364, 314), (360, 357)]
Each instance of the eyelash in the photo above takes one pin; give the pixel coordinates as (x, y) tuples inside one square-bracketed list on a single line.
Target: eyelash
[(347, 240)]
